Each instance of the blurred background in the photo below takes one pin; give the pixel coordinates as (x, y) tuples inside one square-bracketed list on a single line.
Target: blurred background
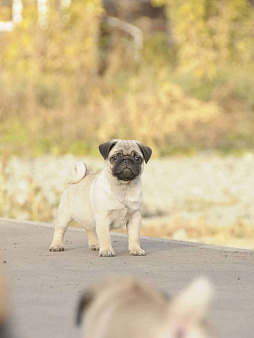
[(176, 75)]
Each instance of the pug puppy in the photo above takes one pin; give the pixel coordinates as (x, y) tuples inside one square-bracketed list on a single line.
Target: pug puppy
[(108, 200), (131, 308)]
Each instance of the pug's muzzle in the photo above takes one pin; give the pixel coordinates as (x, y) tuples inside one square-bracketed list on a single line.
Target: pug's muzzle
[(126, 168)]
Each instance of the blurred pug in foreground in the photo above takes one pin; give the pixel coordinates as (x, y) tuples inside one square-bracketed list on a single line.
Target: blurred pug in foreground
[(130, 308), (108, 200)]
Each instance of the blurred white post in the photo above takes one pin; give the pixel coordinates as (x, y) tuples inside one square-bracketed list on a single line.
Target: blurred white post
[(17, 8), (43, 12)]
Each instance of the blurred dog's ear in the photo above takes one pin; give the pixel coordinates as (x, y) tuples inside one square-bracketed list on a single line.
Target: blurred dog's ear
[(84, 302), (146, 151), (4, 309), (4, 331), (189, 307), (106, 147)]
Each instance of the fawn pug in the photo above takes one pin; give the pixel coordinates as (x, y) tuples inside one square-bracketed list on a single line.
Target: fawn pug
[(108, 200), (131, 308)]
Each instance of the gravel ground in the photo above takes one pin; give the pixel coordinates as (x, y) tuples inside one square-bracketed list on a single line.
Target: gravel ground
[(210, 189)]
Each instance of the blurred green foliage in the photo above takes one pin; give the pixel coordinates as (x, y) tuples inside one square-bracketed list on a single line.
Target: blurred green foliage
[(208, 32), (191, 93)]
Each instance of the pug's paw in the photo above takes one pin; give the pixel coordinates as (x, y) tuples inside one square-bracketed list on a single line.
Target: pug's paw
[(137, 251), (95, 247), (56, 248), (107, 253)]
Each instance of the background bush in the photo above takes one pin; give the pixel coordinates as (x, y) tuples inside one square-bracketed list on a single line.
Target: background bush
[(190, 90)]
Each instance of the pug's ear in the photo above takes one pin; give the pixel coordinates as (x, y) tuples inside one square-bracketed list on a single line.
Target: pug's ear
[(106, 147), (84, 302), (146, 151)]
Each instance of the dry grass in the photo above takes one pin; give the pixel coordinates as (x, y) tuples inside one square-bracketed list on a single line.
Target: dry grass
[(240, 235), (143, 105), (199, 198)]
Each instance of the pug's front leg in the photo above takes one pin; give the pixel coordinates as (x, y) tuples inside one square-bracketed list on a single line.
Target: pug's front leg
[(92, 240), (133, 228), (103, 234)]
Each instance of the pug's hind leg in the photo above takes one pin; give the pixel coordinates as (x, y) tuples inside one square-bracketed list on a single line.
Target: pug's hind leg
[(92, 240), (61, 227), (63, 220)]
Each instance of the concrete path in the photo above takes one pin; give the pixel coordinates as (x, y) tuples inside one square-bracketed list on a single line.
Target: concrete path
[(45, 286)]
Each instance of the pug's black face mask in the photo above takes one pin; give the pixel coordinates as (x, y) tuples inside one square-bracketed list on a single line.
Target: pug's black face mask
[(126, 167)]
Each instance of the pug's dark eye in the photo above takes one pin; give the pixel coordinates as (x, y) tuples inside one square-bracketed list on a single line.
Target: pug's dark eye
[(114, 158), (138, 158)]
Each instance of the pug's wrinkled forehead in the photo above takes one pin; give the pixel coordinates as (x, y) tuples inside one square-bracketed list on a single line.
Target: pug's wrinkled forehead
[(126, 147)]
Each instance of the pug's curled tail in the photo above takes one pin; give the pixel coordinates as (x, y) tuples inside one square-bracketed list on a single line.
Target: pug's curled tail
[(79, 171)]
